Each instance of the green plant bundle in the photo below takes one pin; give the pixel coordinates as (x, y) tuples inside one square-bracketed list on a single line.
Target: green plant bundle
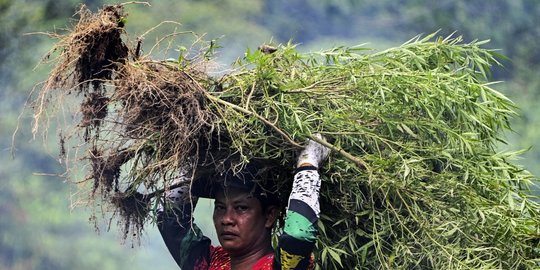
[(415, 180)]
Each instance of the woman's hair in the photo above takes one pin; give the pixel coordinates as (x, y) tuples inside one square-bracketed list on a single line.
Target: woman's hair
[(253, 178)]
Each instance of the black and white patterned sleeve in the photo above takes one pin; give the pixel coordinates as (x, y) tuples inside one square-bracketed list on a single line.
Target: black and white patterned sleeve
[(296, 244)]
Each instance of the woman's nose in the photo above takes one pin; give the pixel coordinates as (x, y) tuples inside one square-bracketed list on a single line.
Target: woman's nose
[(228, 216)]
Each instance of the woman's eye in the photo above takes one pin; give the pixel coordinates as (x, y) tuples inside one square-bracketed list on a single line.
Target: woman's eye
[(241, 207)]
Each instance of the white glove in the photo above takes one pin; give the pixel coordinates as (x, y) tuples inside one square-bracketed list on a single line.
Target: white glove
[(314, 153)]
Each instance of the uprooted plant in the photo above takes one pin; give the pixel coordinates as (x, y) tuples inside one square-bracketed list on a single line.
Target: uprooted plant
[(415, 179)]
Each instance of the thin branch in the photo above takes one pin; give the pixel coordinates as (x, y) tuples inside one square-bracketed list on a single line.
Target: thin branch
[(249, 95), (362, 164), (158, 25)]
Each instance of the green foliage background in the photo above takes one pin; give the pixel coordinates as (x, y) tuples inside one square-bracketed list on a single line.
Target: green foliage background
[(39, 230)]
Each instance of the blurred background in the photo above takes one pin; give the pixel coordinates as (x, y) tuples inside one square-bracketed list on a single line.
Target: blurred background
[(39, 226)]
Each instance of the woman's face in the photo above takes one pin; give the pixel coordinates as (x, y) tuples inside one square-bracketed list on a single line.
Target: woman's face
[(241, 224)]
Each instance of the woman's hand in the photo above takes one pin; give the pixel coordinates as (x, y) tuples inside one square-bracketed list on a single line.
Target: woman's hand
[(313, 154)]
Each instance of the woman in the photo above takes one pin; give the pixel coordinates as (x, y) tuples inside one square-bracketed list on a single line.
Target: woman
[(244, 214)]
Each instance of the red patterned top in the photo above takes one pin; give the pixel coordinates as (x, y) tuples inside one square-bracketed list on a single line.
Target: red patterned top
[(220, 260)]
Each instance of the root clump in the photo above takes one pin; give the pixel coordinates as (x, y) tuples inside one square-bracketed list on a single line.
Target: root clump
[(91, 51)]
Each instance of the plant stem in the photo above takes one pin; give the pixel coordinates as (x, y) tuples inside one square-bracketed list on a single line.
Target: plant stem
[(248, 112)]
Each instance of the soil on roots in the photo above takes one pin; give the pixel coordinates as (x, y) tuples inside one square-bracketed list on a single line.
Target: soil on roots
[(133, 207), (91, 52), (106, 169), (164, 105), (94, 109)]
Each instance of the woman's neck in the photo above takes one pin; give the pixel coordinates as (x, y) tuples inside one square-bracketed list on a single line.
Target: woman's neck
[(247, 260)]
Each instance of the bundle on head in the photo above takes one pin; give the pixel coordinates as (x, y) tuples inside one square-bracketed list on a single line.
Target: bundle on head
[(415, 179)]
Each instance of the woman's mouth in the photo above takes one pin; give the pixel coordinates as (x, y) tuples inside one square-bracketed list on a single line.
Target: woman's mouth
[(228, 235)]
